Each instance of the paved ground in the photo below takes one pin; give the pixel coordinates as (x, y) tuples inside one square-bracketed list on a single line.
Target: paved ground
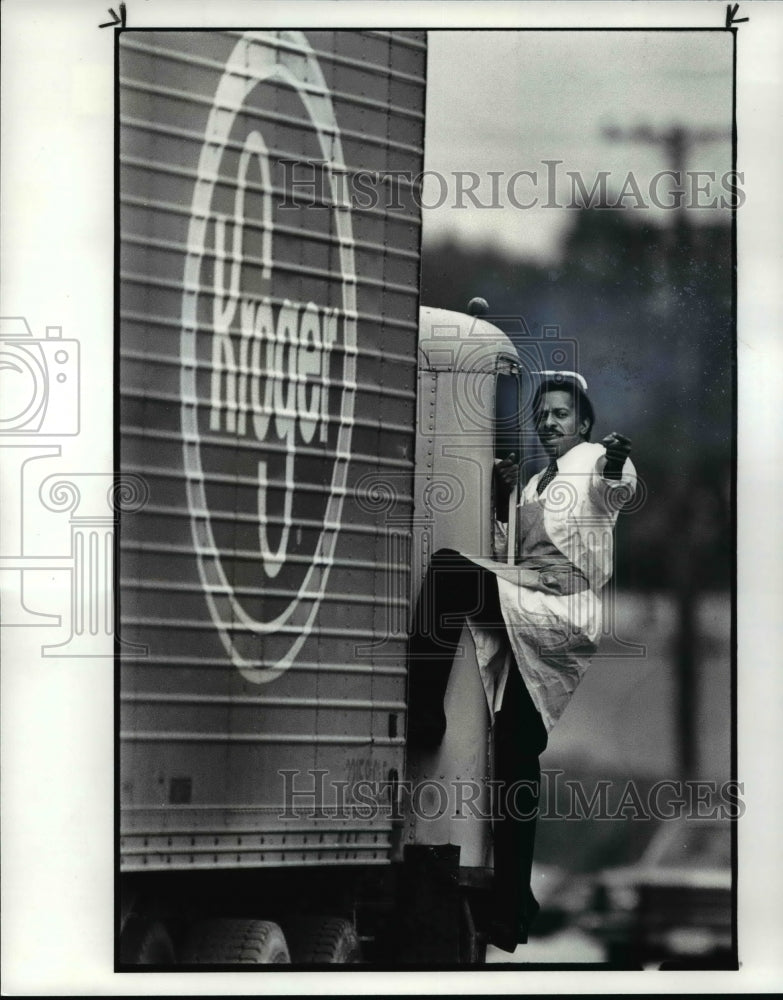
[(567, 946)]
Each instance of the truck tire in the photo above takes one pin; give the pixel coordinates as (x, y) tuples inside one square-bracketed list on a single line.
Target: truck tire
[(145, 942), (324, 941), (235, 942)]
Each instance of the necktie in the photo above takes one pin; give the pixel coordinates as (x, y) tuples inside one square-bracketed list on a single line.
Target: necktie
[(549, 474)]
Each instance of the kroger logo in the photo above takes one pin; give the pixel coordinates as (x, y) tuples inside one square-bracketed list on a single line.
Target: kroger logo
[(268, 349)]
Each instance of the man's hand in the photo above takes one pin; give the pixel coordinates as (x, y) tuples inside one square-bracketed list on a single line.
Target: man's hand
[(506, 478), (508, 471), (618, 448)]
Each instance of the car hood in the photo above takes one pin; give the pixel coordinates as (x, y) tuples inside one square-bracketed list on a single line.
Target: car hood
[(674, 877)]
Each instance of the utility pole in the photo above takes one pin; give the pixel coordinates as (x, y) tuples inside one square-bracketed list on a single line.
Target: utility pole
[(677, 143)]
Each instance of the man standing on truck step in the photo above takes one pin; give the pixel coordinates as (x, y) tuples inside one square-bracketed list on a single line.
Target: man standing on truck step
[(544, 609)]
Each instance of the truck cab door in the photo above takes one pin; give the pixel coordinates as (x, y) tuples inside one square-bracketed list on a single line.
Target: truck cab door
[(450, 796)]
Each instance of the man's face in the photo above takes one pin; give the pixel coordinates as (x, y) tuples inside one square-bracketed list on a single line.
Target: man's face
[(557, 425)]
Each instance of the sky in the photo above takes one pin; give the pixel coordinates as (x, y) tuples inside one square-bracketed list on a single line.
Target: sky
[(508, 100)]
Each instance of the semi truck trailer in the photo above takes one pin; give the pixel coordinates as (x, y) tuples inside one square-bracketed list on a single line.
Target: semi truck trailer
[(303, 434)]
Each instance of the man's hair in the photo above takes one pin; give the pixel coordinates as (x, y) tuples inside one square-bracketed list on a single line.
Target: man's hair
[(582, 405)]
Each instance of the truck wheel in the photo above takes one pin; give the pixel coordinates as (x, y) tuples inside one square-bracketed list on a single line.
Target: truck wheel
[(324, 941), (235, 942), (145, 942)]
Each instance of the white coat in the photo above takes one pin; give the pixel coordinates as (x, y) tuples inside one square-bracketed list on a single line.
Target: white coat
[(552, 633)]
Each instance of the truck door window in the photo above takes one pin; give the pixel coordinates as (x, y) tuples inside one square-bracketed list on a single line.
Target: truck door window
[(507, 416), (508, 422)]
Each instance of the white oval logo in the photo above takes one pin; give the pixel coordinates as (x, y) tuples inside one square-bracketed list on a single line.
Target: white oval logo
[(267, 381)]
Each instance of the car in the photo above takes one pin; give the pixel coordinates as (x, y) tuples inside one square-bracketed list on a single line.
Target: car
[(673, 908)]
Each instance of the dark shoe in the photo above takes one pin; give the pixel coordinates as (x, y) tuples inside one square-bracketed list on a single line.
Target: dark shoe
[(509, 934), (503, 936)]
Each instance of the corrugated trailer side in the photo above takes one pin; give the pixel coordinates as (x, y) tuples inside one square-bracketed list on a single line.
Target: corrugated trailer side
[(268, 329)]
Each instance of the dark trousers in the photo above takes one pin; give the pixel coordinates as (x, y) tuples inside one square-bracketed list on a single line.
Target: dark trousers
[(454, 588)]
